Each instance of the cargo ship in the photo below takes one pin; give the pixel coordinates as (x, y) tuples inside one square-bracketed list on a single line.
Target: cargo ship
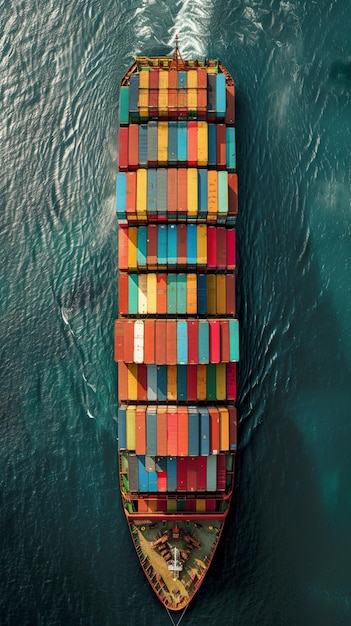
[(176, 339)]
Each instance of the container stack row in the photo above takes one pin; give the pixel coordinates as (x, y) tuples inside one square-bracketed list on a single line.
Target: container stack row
[(187, 195), (156, 93), (177, 144), (176, 341), (176, 246), (177, 430), (176, 293), (176, 383)]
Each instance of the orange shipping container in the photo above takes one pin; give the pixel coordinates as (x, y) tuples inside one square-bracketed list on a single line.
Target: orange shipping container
[(192, 144), (224, 341), (221, 294), (123, 294), (161, 294), (232, 194), (202, 78), (202, 143), (122, 381), (230, 104), (123, 248), (221, 146), (161, 430), (119, 340), (129, 341), (224, 428), (201, 382), (171, 342), (191, 294), (160, 342), (149, 341), (172, 382)]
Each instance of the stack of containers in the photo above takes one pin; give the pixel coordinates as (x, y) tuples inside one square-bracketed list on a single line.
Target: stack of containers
[(176, 337)]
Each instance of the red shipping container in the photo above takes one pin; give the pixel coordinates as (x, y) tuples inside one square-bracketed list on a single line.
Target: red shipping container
[(161, 301), (232, 194), (230, 294), (122, 381), (172, 103), (232, 427), (211, 247), (193, 341), (133, 146), (119, 340), (123, 294), (210, 505), (172, 431), (149, 341), (182, 192), (152, 245), (231, 249), (192, 144), (221, 247), (131, 195), (129, 341), (221, 146), (231, 381), (123, 248), (221, 472), (230, 104), (214, 426), (153, 102), (182, 252), (140, 430), (181, 473), (161, 430), (191, 504), (173, 79), (202, 103), (123, 148), (192, 382), (162, 504), (182, 431), (215, 344), (191, 473), (224, 341), (202, 78), (201, 473), (171, 342), (172, 195), (142, 383), (162, 486), (160, 342)]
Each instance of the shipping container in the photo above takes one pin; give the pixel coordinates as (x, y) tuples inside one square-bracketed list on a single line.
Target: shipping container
[(191, 474), (192, 144), (231, 249), (162, 252), (230, 104), (124, 105), (151, 192), (230, 148), (211, 474), (172, 394), (140, 430), (161, 430), (202, 194), (181, 294), (119, 340), (171, 294), (214, 426), (133, 472), (201, 294), (193, 341), (225, 341), (171, 341), (191, 244), (123, 236), (221, 247), (191, 381), (172, 143), (212, 142), (123, 148), (152, 245), (211, 247), (222, 196), (142, 145), (133, 146), (191, 293), (172, 431), (121, 196), (162, 383), (182, 193), (152, 143), (221, 300), (128, 354), (182, 391), (132, 382), (142, 383), (130, 422), (122, 379), (138, 341), (211, 382), (192, 193), (204, 431), (232, 428), (182, 342), (142, 247), (224, 428), (151, 382), (201, 382), (201, 474), (232, 196), (212, 207), (149, 347), (161, 296), (160, 342), (123, 294), (162, 143), (230, 294), (132, 293), (142, 294), (182, 432), (211, 96), (151, 432), (131, 178), (182, 143), (211, 294), (221, 154), (221, 381), (143, 475), (182, 473), (192, 103), (141, 194), (193, 431), (172, 195), (203, 342), (181, 244), (122, 428), (202, 144), (221, 472), (151, 293), (220, 95), (171, 474), (172, 240), (231, 381)]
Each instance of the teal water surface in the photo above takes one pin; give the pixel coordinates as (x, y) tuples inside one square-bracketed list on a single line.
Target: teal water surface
[(66, 557)]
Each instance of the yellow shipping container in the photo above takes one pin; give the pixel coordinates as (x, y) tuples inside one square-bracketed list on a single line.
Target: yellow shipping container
[(211, 294), (212, 70), (132, 381), (143, 103), (130, 418), (221, 293), (151, 293), (132, 247), (202, 143), (212, 181), (192, 101), (200, 506), (144, 79), (141, 194), (142, 294), (192, 79), (192, 192), (163, 79), (224, 428), (171, 382), (221, 380), (163, 102), (201, 382), (162, 143), (191, 294), (202, 244)]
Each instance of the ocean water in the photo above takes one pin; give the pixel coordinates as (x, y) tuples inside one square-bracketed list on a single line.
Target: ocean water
[(66, 557)]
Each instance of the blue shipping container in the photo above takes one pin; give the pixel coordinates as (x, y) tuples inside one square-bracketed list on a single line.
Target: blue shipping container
[(182, 142), (233, 340), (172, 143), (182, 80), (220, 95), (141, 248), (151, 191), (171, 473), (122, 430), (134, 95), (182, 342), (151, 439), (201, 294), (204, 432), (191, 244), (172, 244), (212, 154), (230, 148), (143, 475), (143, 145), (203, 342), (181, 293), (133, 294), (203, 194), (152, 142), (182, 382), (162, 244), (152, 382)]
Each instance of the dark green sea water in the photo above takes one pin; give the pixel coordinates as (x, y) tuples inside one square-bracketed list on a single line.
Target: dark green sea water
[(66, 557)]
